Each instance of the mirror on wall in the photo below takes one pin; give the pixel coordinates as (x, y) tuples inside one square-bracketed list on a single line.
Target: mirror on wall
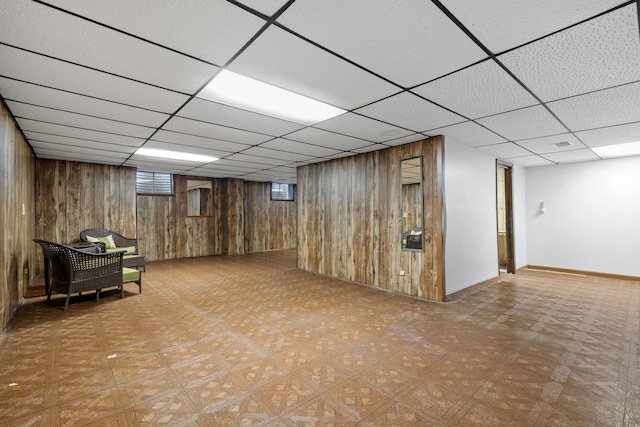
[(412, 204), (199, 198)]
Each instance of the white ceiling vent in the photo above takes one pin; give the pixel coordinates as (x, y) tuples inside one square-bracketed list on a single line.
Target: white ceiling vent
[(562, 144)]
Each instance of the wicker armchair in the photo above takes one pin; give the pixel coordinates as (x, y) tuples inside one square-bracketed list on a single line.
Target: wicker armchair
[(79, 270)]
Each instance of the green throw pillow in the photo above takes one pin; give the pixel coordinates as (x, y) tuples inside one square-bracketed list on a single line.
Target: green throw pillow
[(107, 243)]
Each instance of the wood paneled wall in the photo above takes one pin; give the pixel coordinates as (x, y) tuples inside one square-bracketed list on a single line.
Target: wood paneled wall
[(269, 224), (349, 220), (73, 196), (166, 232), (18, 254)]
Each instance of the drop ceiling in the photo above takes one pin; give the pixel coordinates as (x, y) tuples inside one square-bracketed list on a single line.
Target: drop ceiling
[(93, 81)]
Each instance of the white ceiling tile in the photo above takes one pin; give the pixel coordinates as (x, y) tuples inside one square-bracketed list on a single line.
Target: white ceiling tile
[(505, 150), (327, 139), (399, 43), (13, 90), (96, 157), (180, 164), (545, 145), (28, 125), (370, 148), (156, 166), (208, 130), (362, 127), (597, 54), (504, 24), (406, 139), (76, 150), (467, 91), (339, 155), (611, 135), (49, 72), (299, 147), (298, 164), (36, 139), (46, 30), (213, 112), (469, 133), (214, 173), (531, 122), (608, 107), (285, 169), (49, 115), (268, 7), (572, 156), (212, 30), (276, 154), (178, 138), (236, 165), (265, 161), (281, 59), (410, 112), (528, 161)]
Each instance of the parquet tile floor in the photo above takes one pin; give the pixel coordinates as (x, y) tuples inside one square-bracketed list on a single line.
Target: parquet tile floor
[(251, 340)]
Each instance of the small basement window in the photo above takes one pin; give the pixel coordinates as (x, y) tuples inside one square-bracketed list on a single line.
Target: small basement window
[(281, 191), (154, 183)]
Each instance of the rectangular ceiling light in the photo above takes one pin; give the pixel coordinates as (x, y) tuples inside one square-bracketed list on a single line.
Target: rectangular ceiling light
[(243, 92), (175, 155), (618, 150)]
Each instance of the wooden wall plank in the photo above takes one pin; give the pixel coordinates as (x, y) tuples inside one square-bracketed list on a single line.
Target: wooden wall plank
[(268, 224), (349, 216), (18, 256)]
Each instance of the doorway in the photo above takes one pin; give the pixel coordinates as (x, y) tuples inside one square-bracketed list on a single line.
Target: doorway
[(506, 255)]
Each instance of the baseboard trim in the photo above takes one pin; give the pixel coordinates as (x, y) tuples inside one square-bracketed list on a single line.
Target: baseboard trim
[(472, 289), (582, 272)]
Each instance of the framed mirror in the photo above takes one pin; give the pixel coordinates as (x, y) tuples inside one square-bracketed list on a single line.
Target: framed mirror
[(199, 198), (412, 204)]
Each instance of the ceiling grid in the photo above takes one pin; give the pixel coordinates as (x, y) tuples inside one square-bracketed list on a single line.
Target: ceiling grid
[(89, 81)]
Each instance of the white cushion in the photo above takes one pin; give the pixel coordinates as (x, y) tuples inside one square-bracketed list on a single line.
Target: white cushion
[(110, 239)]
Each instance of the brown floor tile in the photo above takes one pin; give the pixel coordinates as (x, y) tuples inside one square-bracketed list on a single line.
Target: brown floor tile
[(251, 340), (318, 411)]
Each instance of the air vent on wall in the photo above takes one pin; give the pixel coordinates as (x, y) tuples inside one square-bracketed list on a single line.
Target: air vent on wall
[(562, 144)]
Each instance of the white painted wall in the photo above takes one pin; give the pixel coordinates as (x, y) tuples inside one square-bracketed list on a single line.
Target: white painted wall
[(593, 216), (471, 231)]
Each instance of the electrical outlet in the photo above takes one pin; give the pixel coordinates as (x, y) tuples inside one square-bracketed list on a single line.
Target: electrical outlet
[(402, 272)]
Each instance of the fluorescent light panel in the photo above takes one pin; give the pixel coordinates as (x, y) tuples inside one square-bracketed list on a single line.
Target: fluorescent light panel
[(243, 92), (175, 155), (618, 150)]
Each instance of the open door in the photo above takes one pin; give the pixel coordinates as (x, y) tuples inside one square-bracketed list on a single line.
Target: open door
[(506, 244)]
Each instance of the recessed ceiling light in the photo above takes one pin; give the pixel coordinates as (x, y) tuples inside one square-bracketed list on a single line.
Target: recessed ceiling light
[(175, 155), (618, 150), (243, 92)]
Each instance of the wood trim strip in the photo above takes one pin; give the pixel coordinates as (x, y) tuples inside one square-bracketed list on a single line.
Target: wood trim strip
[(581, 272)]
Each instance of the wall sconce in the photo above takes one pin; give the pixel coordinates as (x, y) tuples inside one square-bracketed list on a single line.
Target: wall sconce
[(543, 210)]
